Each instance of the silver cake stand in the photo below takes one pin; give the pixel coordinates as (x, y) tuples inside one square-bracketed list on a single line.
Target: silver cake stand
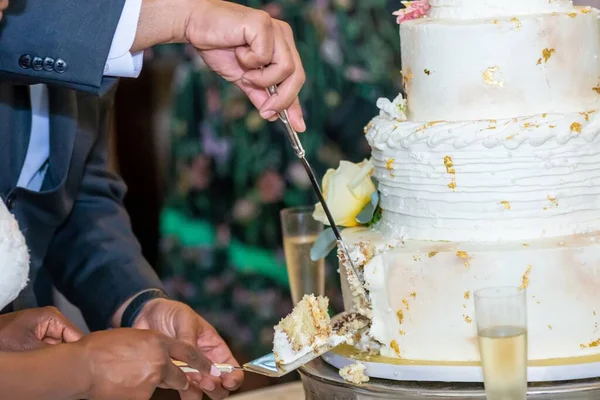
[(322, 382)]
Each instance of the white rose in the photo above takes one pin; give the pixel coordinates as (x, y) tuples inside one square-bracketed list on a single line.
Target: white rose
[(347, 190)]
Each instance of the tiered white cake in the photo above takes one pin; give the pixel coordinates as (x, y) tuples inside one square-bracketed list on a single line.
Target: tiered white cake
[(489, 175)]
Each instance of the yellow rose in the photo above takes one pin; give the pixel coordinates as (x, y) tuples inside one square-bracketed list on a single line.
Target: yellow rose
[(347, 190)]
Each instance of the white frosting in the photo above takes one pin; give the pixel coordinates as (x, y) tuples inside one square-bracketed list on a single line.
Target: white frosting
[(286, 354), (14, 258), (473, 9), (501, 68), (527, 178), (430, 283)]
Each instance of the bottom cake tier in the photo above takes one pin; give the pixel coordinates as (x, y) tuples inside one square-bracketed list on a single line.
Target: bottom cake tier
[(553, 370), (421, 294)]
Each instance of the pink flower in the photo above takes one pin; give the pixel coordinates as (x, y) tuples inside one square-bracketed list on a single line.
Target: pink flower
[(413, 10)]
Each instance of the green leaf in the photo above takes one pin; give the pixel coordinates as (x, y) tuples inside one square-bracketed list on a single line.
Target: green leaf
[(366, 215), (324, 244)]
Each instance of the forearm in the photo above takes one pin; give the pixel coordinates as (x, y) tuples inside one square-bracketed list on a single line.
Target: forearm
[(56, 372), (161, 22)]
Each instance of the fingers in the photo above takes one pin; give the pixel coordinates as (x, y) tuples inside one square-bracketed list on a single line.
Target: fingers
[(217, 350), (191, 355), (258, 32), (174, 378), (54, 327), (287, 72)]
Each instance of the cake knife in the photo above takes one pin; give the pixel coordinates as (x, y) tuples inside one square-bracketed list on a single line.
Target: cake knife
[(266, 365), (301, 154)]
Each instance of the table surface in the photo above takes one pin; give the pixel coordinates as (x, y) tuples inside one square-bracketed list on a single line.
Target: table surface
[(289, 391)]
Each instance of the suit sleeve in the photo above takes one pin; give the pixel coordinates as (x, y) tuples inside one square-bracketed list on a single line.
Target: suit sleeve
[(95, 259), (71, 37)]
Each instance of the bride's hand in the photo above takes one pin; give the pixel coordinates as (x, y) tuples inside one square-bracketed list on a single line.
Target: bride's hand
[(35, 328), (3, 6)]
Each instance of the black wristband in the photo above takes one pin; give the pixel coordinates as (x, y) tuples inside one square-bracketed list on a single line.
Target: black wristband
[(136, 305)]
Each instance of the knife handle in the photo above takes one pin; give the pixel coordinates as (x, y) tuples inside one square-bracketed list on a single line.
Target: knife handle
[(291, 132)]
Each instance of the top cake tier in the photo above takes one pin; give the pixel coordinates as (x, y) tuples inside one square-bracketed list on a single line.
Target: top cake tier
[(492, 59), (474, 9)]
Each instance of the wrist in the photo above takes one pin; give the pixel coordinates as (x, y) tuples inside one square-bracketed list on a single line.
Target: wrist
[(137, 307), (82, 366), (162, 22)]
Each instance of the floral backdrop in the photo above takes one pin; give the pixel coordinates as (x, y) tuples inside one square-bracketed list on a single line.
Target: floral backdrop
[(231, 172)]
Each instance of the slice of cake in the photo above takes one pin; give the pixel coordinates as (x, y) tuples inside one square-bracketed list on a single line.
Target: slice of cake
[(354, 373), (307, 328)]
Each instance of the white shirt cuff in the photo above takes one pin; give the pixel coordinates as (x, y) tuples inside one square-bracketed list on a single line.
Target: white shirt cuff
[(121, 62)]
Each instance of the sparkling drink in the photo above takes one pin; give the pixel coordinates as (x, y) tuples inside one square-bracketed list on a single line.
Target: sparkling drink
[(501, 315), (306, 276), (504, 360)]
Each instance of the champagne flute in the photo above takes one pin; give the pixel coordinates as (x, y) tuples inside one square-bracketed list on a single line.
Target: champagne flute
[(300, 232), (501, 314)]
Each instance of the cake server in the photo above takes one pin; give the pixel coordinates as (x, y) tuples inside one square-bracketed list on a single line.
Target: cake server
[(301, 154), (266, 364)]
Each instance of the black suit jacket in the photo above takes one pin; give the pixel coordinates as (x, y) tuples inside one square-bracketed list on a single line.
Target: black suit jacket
[(76, 226)]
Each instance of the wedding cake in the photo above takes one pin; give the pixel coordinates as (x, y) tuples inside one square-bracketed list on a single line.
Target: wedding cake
[(488, 174)]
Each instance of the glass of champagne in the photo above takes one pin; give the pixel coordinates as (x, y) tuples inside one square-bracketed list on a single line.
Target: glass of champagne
[(300, 232), (501, 314)]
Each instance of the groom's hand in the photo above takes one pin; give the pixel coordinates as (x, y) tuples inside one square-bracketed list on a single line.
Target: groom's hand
[(245, 46), (177, 320), (35, 328)]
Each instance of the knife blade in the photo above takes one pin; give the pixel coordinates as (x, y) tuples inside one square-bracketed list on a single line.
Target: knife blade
[(301, 154)]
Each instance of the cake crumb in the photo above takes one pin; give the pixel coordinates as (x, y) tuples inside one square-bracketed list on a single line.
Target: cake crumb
[(354, 373)]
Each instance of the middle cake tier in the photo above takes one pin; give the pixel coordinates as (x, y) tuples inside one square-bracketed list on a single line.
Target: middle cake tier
[(490, 180)]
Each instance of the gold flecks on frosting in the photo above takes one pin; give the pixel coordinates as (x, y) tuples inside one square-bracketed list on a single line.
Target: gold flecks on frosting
[(417, 258), (432, 123), (462, 254), (432, 254), (572, 15), (594, 312), (552, 126), (452, 185), (495, 22), (467, 295), (427, 72), (400, 315), (395, 347), (525, 244), (368, 127), (468, 319), (407, 78), (405, 302), (586, 114), (517, 23), (449, 164), (402, 333), (546, 54), (525, 278), (390, 166), (596, 89), (586, 10), (490, 78), (413, 295), (421, 128), (510, 137), (465, 256), (506, 204), (595, 343), (464, 306), (544, 115), (553, 202), (549, 326)]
